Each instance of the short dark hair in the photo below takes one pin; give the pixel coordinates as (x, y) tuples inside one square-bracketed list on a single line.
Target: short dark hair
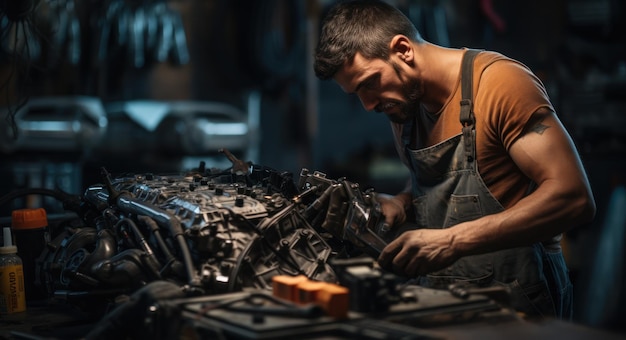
[(364, 26)]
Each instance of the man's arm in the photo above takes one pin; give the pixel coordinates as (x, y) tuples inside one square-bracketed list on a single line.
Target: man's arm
[(562, 200)]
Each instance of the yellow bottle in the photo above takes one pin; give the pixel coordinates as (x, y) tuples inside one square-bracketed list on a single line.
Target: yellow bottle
[(12, 294)]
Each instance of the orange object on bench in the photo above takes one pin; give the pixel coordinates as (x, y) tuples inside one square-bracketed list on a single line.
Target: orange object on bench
[(334, 300), (284, 286), (306, 291)]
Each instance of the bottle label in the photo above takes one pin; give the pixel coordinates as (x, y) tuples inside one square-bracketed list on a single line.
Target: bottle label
[(12, 295)]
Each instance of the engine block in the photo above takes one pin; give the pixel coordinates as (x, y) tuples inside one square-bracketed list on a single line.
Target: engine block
[(210, 232)]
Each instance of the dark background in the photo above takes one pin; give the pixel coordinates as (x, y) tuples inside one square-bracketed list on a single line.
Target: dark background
[(245, 51)]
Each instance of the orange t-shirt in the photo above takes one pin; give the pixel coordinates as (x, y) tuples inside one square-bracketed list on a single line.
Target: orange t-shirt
[(506, 94)]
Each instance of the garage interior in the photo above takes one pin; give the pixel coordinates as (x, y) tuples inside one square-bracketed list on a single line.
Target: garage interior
[(165, 86)]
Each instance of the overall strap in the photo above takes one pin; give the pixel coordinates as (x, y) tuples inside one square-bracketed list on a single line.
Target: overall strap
[(467, 112)]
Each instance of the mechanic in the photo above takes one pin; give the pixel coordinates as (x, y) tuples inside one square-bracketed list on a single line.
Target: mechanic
[(495, 178)]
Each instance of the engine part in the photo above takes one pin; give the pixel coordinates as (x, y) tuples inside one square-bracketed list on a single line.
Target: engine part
[(208, 231), (349, 214), (205, 234), (371, 289)]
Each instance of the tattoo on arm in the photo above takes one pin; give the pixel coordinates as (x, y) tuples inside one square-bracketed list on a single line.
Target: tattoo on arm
[(539, 127), (537, 123)]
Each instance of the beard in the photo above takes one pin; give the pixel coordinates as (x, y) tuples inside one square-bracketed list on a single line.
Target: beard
[(407, 109)]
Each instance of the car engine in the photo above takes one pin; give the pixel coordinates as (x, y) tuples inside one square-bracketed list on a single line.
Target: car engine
[(209, 231)]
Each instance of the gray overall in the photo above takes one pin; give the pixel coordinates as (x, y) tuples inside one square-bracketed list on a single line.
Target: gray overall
[(448, 190)]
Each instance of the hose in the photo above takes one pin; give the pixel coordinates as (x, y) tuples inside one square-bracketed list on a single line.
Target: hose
[(163, 219)]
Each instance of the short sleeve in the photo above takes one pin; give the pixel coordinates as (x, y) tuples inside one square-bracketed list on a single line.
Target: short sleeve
[(507, 95)]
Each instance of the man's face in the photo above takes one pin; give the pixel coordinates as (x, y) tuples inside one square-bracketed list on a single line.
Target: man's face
[(382, 86)]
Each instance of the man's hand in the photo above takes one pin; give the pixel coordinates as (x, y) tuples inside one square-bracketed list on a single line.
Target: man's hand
[(419, 252), (393, 208)]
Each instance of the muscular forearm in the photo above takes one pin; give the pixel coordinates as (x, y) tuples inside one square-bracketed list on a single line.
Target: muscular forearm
[(547, 212)]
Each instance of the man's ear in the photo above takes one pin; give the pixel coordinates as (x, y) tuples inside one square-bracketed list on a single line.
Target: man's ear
[(401, 47)]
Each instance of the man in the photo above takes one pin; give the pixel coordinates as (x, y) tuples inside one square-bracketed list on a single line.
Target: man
[(495, 177)]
